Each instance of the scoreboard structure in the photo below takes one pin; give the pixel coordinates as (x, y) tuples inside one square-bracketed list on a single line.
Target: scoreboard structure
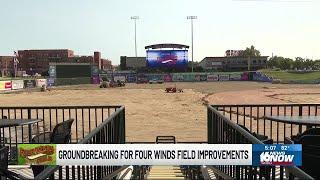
[(167, 56), (73, 73)]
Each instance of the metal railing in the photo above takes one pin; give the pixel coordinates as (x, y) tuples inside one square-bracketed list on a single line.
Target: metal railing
[(192, 172), (86, 118), (223, 128), (254, 118), (140, 172), (92, 125)]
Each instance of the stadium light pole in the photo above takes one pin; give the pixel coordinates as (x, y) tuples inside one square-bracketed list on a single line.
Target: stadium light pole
[(192, 18), (135, 34)]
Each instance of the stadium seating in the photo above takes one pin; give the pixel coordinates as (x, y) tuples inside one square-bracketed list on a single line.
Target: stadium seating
[(4, 161), (262, 138), (311, 131), (310, 140), (61, 134)]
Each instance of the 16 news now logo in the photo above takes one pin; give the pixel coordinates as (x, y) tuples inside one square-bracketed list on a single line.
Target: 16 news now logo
[(276, 155)]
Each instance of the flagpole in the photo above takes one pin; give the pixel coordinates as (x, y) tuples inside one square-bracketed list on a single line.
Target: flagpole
[(15, 63), (6, 68)]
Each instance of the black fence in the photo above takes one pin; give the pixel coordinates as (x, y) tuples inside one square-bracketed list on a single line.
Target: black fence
[(92, 125), (223, 128), (254, 117)]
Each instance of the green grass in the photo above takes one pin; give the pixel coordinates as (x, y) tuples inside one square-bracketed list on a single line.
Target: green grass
[(306, 77)]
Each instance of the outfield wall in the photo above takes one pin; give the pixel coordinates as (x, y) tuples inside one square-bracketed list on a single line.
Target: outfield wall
[(8, 85), (189, 77)]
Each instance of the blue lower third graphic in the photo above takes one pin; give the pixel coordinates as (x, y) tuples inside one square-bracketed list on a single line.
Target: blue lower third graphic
[(276, 155)]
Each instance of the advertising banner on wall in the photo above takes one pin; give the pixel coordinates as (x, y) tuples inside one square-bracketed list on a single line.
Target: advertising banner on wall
[(189, 77), (235, 77), (154, 76), (119, 78), (177, 77), (52, 71), (244, 76), (41, 82), (212, 77), (197, 77), (17, 84), (94, 71), (2, 86), (142, 78), (5, 85), (131, 78), (258, 76), (30, 83), (95, 79), (50, 82), (203, 77), (223, 77), (167, 78)]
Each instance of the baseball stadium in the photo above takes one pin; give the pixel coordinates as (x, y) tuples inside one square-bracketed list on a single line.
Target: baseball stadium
[(198, 108), (156, 101)]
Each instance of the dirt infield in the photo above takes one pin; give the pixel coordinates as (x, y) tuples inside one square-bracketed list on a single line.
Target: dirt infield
[(151, 112)]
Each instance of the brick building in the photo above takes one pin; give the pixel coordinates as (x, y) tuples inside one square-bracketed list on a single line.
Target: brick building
[(106, 64), (6, 66), (37, 61), (132, 62), (233, 63)]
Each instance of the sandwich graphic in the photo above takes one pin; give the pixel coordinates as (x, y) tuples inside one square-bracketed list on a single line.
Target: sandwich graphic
[(33, 159)]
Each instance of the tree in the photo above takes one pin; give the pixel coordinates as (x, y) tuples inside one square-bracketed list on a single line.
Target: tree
[(309, 64), (280, 62), (316, 65), (299, 63), (273, 62), (251, 52)]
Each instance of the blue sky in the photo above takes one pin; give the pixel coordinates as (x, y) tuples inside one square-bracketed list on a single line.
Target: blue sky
[(288, 28)]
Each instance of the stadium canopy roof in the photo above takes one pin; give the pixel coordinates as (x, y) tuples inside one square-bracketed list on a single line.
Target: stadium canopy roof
[(167, 45)]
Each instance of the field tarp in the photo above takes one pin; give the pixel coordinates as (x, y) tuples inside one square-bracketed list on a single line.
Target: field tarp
[(17, 84)]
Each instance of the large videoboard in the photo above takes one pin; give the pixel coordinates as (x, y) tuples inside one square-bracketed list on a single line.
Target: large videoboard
[(167, 58)]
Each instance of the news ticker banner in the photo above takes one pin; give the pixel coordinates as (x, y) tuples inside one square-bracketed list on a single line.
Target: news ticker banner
[(160, 154)]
